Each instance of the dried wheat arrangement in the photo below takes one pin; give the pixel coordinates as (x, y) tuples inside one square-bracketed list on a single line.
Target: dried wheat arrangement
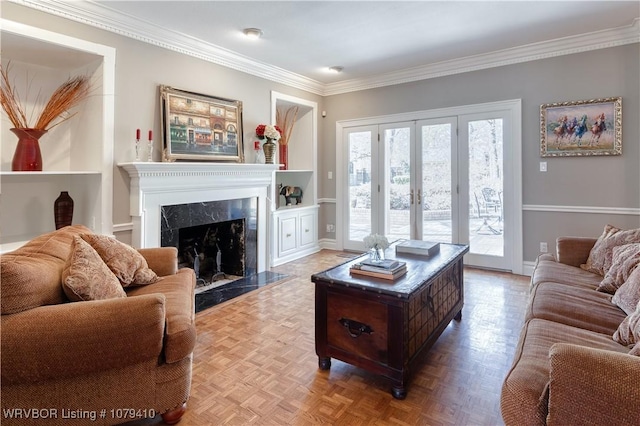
[(285, 120), (66, 96)]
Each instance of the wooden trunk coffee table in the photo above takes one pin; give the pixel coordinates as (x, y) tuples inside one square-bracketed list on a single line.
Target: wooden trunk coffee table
[(384, 326)]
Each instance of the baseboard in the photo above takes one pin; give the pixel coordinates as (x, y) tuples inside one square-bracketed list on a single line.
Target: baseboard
[(328, 243), (527, 268)]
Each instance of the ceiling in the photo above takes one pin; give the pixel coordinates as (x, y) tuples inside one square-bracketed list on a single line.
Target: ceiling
[(370, 39)]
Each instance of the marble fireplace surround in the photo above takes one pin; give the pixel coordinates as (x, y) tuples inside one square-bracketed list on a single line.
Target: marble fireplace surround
[(153, 185)]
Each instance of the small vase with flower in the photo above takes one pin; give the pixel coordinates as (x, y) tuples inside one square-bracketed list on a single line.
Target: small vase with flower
[(376, 244), (272, 134)]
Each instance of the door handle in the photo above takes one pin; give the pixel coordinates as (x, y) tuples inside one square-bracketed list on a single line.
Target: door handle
[(411, 196), (419, 197)]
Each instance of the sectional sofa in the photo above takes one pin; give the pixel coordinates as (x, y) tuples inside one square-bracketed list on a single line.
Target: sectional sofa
[(578, 357)]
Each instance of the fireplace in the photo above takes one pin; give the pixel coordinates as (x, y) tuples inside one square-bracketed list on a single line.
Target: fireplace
[(165, 197), (217, 239)]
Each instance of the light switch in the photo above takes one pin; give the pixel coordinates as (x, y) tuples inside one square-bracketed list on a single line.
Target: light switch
[(330, 175), (543, 166)]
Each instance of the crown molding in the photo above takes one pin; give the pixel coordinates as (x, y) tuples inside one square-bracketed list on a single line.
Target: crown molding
[(102, 17), (530, 52)]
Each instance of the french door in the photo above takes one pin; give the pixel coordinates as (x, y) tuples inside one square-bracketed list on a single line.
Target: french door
[(438, 179)]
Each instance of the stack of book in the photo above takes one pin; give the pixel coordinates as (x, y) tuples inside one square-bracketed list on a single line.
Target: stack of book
[(385, 269)]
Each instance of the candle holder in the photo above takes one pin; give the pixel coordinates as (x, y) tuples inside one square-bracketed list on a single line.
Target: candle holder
[(137, 144), (150, 151), (138, 149)]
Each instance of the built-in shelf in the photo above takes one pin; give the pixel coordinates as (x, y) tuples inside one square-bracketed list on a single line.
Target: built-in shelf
[(37, 175), (294, 228), (77, 154), (300, 178)]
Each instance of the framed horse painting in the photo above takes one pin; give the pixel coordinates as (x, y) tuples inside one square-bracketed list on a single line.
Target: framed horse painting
[(581, 128)]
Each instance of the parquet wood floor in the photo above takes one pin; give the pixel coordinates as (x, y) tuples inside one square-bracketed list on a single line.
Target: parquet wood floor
[(255, 361)]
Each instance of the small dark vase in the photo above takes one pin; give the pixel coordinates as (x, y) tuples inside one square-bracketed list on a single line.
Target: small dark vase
[(63, 210), (27, 157)]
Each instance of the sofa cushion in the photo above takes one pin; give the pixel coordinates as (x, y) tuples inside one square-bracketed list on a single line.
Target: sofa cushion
[(86, 277), (628, 295), (625, 259), (524, 399), (629, 332), (547, 269), (574, 306), (180, 329), (574, 251), (125, 262), (601, 254), (589, 386), (31, 275)]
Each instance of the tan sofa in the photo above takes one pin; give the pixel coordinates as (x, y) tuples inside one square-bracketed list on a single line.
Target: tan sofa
[(93, 362), (567, 369)]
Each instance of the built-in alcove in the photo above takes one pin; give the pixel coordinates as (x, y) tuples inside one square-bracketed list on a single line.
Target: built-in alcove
[(77, 155)]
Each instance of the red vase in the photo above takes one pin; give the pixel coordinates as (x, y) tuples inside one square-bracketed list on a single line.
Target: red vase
[(27, 157), (283, 151)]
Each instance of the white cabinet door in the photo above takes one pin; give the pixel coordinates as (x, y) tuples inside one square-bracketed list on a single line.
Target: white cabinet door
[(295, 234), (308, 229), (287, 235)]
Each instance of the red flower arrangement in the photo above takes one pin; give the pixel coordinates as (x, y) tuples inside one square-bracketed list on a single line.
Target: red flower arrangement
[(268, 131)]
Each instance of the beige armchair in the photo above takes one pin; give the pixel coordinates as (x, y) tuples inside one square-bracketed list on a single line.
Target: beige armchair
[(98, 362)]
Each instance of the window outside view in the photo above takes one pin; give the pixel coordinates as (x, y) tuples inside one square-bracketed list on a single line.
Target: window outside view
[(485, 184)]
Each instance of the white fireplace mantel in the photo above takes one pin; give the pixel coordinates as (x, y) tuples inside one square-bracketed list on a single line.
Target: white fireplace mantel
[(154, 185)]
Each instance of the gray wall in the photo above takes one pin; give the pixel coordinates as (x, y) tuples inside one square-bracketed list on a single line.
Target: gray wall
[(598, 181), (570, 181), (140, 68)]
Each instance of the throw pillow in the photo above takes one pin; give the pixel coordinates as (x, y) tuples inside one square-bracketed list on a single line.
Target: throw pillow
[(624, 261), (30, 275), (86, 277), (129, 266), (628, 295), (601, 254), (628, 332)]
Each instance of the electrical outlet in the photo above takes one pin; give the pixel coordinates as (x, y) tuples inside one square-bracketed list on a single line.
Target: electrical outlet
[(543, 248), (543, 166), (331, 227)]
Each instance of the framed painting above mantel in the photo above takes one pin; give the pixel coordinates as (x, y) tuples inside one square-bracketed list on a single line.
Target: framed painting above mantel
[(581, 128), (200, 127)]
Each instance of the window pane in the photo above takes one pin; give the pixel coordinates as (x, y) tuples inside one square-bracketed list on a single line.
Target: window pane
[(359, 185), (398, 151), (486, 226), (436, 183)]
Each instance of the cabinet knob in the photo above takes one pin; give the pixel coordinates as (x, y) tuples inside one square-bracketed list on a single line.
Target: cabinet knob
[(288, 235), (306, 230)]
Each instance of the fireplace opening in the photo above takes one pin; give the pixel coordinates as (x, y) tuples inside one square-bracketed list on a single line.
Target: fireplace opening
[(231, 224), (215, 251)]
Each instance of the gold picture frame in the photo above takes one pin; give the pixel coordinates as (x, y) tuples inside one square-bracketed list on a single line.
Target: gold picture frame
[(581, 128), (199, 127)]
